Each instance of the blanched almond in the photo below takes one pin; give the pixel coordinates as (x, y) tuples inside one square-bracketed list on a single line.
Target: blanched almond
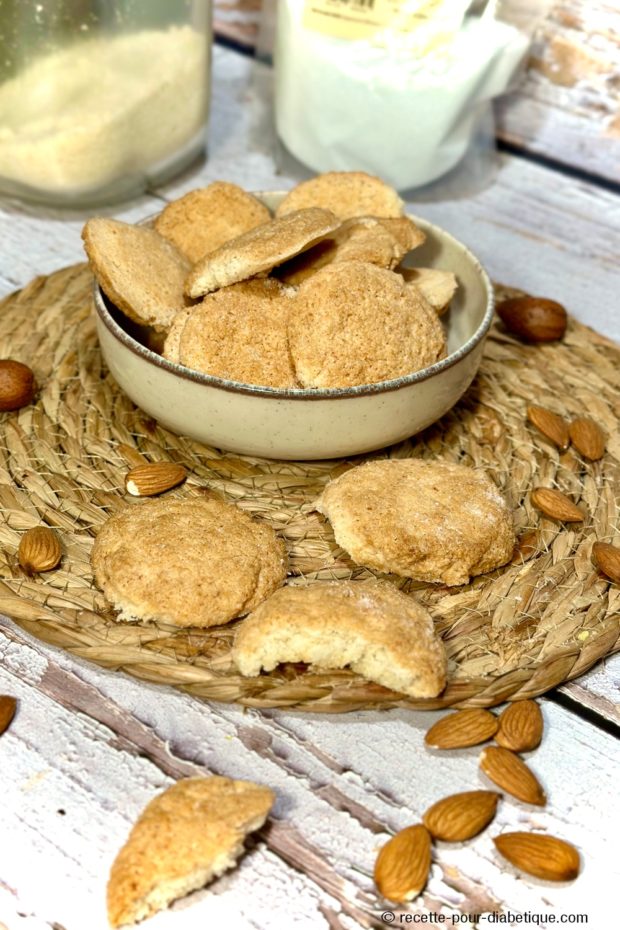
[(403, 864), (461, 816), (461, 729)]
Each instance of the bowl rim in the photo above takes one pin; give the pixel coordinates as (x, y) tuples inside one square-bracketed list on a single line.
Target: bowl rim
[(361, 390)]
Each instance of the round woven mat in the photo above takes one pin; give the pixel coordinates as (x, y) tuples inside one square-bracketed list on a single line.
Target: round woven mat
[(514, 633)]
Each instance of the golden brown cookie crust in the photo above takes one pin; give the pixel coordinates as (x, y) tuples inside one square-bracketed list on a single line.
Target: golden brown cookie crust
[(354, 324), (191, 562), (428, 520), (345, 193), (186, 836), (138, 270), (374, 628), (436, 286), (205, 219)]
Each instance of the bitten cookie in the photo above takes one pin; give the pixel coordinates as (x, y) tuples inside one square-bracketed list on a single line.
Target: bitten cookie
[(192, 562), (184, 837), (205, 219), (372, 627), (354, 323), (345, 193), (432, 521), (138, 270), (260, 250)]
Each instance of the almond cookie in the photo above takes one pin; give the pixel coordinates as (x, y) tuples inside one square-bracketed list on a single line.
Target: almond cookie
[(260, 250), (432, 521), (357, 324), (238, 333), (192, 562), (185, 837), (205, 219), (345, 193), (372, 627), (438, 287), (138, 270)]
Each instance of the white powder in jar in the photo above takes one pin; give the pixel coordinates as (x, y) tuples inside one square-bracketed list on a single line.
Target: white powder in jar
[(79, 118), (349, 104)]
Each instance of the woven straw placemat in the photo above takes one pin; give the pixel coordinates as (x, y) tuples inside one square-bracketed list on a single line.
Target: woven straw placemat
[(514, 633)]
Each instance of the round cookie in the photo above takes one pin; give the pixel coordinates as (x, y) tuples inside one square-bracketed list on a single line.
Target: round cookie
[(432, 521), (260, 250), (374, 628), (205, 219), (238, 333), (354, 323), (345, 193), (192, 562)]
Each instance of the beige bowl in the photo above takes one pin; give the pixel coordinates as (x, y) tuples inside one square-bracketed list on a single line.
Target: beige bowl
[(304, 423)]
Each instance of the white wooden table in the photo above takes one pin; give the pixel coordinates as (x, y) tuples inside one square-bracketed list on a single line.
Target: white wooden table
[(88, 748)]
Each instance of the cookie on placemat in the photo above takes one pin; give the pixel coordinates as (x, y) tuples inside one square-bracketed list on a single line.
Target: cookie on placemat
[(354, 323), (438, 287), (260, 250), (428, 520), (185, 837), (372, 627), (345, 193), (192, 562), (138, 270), (238, 333), (205, 219)]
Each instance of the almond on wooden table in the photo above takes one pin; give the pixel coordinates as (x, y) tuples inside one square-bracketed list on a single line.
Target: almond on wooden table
[(402, 866), (539, 854), (556, 505), (520, 726), (154, 478), (39, 550), (550, 424), (461, 816), (461, 729), (588, 438), (512, 775), (607, 559), (7, 711)]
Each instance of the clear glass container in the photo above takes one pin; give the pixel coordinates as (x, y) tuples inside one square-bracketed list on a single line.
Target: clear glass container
[(100, 98)]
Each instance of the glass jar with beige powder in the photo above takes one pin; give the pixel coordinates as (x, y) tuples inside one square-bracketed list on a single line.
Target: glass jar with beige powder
[(100, 99)]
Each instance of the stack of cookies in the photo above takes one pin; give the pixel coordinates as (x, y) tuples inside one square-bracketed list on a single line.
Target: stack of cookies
[(313, 297)]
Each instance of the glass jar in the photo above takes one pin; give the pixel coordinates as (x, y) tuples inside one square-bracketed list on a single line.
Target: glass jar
[(100, 98)]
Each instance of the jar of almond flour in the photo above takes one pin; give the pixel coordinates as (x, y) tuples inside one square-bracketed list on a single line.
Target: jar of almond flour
[(100, 99)]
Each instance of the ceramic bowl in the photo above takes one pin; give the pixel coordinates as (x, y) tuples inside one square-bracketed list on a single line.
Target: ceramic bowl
[(309, 423)]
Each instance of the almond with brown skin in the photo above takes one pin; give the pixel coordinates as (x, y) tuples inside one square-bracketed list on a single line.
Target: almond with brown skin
[(520, 726), (403, 864), (154, 478), (461, 816), (607, 559), (588, 438), (533, 319), (540, 855), (556, 505), (461, 729), (550, 424), (511, 774), (17, 385), (7, 711), (39, 550)]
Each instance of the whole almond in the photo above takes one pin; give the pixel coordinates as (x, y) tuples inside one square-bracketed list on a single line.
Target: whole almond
[(461, 816), (7, 711), (540, 855), (17, 385), (403, 864), (520, 726), (588, 438), (550, 424), (511, 774), (534, 319), (607, 559), (39, 550), (154, 478), (463, 728), (556, 505)]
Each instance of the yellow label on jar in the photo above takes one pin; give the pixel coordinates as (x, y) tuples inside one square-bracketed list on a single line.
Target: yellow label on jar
[(364, 19)]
